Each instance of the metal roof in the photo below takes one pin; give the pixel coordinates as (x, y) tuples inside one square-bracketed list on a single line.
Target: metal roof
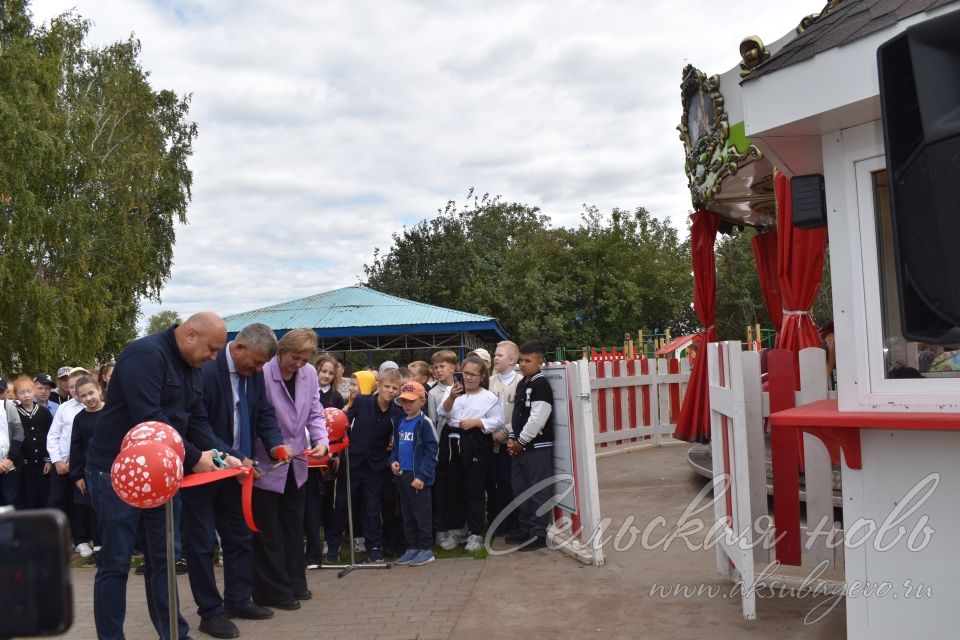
[(359, 311), (840, 24)]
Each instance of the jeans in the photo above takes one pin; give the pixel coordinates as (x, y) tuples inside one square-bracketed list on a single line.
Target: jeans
[(119, 523)]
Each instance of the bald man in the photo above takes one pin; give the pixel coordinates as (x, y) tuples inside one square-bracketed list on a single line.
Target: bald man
[(156, 378)]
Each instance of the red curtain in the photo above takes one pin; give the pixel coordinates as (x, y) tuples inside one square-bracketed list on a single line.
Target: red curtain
[(765, 254), (799, 270), (693, 425)]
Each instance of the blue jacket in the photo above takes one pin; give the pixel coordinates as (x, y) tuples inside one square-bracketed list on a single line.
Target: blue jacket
[(218, 401), (370, 431), (425, 447), (152, 381)]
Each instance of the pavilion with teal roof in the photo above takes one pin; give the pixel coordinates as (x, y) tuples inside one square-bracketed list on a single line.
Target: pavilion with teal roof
[(361, 319)]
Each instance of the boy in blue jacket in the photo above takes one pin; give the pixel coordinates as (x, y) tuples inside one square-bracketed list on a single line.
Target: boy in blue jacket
[(414, 464)]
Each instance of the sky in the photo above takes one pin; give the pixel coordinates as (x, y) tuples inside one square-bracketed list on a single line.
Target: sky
[(325, 127)]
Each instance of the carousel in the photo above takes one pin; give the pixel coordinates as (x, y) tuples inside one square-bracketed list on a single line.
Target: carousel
[(847, 130)]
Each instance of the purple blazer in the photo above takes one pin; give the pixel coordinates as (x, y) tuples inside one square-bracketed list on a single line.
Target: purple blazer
[(295, 420)]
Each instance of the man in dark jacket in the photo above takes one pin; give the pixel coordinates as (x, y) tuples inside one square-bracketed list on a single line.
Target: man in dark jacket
[(236, 402), (156, 378)]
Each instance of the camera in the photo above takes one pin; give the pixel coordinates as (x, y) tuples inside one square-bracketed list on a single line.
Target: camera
[(36, 596)]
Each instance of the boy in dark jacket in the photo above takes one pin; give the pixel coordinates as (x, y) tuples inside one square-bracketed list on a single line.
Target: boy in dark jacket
[(370, 418), (413, 461)]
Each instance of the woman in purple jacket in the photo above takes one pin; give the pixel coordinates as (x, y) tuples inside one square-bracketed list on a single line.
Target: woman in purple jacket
[(280, 578)]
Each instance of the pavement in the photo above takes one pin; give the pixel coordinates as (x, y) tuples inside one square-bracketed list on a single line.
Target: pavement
[(540, 594)]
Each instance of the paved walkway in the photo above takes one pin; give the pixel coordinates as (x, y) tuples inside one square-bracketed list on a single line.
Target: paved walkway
[(543, 594)]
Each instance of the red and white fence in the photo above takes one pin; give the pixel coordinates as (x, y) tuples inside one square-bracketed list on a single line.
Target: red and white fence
[(739, 406), (635, 402)]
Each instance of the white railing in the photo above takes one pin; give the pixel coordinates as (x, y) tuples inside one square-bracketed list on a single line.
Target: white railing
[(739, 408)]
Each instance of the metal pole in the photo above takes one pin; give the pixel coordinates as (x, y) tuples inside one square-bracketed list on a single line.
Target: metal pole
[(171, 573)]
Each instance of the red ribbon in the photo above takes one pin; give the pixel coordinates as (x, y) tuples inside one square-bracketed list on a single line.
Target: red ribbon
[(246, 493), (324, 460)]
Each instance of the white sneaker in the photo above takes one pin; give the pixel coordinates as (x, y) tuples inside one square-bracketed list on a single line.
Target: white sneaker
[(449, 541), (474, 543), (460, 535), (84, 549), (358, 545), (325, 548)]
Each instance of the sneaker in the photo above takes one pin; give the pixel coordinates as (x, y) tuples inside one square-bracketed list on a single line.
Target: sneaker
[(407, 556), (474, 543), (460, 535), (141, 569), (333, 555), (313, 565), (91, 561), (374, 555), (358, 545), (537, 543), (449, 542), (181, 567), (84, 549), (422, 557), (324, 550)]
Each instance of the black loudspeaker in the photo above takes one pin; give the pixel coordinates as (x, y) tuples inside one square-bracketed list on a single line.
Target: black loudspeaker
[(920, 98), (809, 201)]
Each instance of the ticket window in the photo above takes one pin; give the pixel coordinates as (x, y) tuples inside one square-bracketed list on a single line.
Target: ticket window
[(932, 361)]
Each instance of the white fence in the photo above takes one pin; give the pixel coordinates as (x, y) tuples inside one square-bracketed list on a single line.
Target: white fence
[(739, 407)]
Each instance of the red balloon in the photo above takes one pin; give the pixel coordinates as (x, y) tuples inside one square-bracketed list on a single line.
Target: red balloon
[(155, 432), (337, 423), (146, 474)]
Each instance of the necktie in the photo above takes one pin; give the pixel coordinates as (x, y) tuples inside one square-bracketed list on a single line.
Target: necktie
[(245, 445)]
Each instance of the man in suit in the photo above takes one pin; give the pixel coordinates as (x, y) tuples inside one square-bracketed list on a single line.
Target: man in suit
[(236, 403)]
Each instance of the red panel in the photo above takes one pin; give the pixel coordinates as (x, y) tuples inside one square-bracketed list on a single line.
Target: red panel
[(617, 409)]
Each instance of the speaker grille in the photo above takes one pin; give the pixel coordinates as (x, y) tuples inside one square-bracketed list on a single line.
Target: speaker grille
[(927, 202)]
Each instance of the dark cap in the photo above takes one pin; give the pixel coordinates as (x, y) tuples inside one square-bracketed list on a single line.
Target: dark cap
[(43, 378), (3, 385)]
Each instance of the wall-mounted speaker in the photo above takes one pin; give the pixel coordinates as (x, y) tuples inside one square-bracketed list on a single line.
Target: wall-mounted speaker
[(920, 99)]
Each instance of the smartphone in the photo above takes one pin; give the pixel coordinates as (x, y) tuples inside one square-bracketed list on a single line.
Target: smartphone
[(458, 378)]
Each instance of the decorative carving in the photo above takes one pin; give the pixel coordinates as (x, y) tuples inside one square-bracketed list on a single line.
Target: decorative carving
[(705, 129), (753, 54), (808, 21)]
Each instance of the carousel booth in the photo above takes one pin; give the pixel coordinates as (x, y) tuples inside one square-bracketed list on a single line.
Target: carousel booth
[(847, 131)]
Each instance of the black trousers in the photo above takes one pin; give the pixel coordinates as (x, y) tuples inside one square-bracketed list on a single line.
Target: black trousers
[(449, 487), (366, 486), (416, 513), (207, 510), (393, 537), (34, 486), (313, 514), (475, 473), (500, 491), (531, 468), (279, 564)]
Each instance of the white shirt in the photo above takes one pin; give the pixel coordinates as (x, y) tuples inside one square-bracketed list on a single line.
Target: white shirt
[(58, 438), (483, 404), (235, 385)]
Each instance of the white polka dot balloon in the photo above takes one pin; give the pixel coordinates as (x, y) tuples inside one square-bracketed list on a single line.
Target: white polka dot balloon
[(155, 431), (146, 474)]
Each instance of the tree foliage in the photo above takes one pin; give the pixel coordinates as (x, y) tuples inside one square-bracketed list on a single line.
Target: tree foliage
[(569, 287), (161, 321), (93, 177)]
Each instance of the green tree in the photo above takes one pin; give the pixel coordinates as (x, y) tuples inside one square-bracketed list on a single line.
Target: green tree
[(93, 177), (568, 287), (161, 321), (739, 300)]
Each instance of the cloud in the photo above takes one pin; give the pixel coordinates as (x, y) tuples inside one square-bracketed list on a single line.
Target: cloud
[(325, 127)]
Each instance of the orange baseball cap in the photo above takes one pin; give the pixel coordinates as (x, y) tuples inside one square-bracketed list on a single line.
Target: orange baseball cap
[(412, 391)]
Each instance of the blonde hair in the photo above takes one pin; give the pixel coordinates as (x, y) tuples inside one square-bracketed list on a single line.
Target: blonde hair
[(444, 355), (298, 341)]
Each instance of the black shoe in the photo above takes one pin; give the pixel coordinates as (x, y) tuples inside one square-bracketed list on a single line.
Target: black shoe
[(182, 568), (92, 560), (536, 543), (304, 595), (219, 626), (516, 537), (290, 605), (374, 555), (250, 611)]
